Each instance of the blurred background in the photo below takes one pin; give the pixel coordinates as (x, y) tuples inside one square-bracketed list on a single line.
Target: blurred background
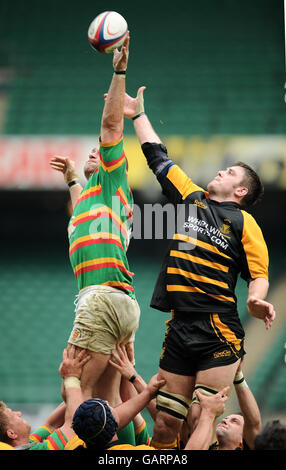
[(215, 75)]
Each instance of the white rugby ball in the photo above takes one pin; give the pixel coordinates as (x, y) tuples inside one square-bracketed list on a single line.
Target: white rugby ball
[(107, 31)]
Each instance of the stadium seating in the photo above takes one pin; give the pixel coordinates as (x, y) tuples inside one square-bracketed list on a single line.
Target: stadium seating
[(225, 79)]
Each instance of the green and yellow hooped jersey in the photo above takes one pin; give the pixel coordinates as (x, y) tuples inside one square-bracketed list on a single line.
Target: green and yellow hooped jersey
[(101, 223)]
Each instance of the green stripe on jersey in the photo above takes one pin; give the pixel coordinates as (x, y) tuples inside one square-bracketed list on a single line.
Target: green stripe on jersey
[(100, 225)]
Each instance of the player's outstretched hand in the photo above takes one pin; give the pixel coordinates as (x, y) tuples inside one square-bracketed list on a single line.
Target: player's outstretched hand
[(134, 106), (120, 58), (261, 309), (65, 165)]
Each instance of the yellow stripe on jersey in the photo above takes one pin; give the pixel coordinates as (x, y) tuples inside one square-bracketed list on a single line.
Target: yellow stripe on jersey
[(101, 261), (222, 298), (88, 239), (195, 259), (93, 189), (120, 194), (110, 144), (140, 428), (197, 277), (107, 165), (109, 168), (180, 288), (194, 241), (92, 213), (182, 182), (124, 285)]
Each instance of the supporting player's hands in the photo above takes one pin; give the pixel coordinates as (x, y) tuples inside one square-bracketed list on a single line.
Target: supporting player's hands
[(122, 361), (261, 309), (154, 385), (72, 363), (66, 166), (120, 58), (214, 405)]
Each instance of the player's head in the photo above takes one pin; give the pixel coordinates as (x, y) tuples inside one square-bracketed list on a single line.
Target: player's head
[(271, 437), (230, 431), (239, 183), (92, 163), (95, 422), (13, 428)]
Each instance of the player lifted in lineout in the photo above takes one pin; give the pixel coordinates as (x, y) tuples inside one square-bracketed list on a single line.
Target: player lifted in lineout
[(204, 341), (106, 309)]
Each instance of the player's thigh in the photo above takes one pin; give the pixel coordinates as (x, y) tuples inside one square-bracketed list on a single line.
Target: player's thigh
[(175, 383), (93, 370), (217, 377), (107, 386)]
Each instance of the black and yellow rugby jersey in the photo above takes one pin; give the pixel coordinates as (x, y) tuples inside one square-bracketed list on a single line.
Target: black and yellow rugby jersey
[(214, 242)]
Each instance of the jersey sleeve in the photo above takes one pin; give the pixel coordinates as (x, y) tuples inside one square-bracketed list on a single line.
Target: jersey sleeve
[(45, 439), (256, 259), (176, 185), (142, 435), (112, 159)]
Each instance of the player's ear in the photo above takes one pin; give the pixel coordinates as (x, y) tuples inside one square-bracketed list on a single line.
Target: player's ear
[(241, 191)]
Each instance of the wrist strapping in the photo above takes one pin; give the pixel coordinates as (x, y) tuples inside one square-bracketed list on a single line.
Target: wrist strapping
[(133, 377), (70, 175), (71, 382), (140, 110), (71, 183), (120, 72), (239, 381), (138, 115)]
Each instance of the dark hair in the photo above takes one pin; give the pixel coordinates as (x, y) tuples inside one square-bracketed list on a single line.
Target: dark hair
[(271, 437), (253, 183)]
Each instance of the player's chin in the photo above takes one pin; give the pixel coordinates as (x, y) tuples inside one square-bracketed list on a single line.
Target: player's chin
[(90, 168), (211, 186)]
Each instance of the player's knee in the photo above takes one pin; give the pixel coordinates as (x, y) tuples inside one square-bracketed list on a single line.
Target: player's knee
[(204, 390), (166, 430), (174, 406), (165, 422)]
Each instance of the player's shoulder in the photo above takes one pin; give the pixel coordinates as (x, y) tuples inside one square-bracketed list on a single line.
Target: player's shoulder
[(250, 225), (248, 218)]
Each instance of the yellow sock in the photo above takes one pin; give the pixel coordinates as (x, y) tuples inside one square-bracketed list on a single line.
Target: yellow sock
[(162, 446)]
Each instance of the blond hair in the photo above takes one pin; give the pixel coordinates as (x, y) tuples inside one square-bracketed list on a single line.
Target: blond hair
[(3, 423)]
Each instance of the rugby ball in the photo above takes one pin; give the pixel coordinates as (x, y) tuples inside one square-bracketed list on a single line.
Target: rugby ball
[(107, 31)]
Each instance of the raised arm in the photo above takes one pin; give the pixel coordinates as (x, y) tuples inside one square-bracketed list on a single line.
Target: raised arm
[(123, 364), (66, 166), (70, 370), (211, 407), (248, 407), (134, 109), (112, 121), (128, 410), (174, 181), (255, 270)]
